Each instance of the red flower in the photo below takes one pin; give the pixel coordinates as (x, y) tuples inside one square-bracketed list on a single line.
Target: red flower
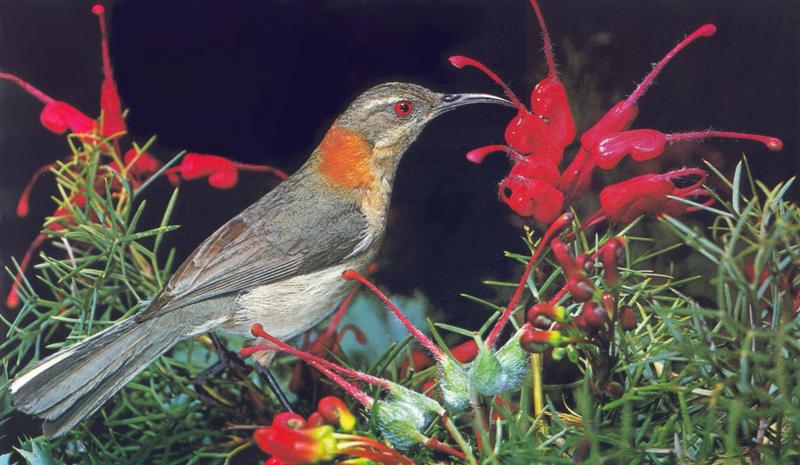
[(221, 172), (532, 198), (537, 139), (647, 194)]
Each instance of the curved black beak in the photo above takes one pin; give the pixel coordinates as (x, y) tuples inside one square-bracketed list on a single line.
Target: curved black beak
[(451, 101)]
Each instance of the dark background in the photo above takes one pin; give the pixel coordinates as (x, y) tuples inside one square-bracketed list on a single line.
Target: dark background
[(260, 81)]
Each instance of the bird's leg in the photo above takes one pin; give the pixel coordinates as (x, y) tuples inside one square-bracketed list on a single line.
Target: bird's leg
[(274, 386), (226, 360)]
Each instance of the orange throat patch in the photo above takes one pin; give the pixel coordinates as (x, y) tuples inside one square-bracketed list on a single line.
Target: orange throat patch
[(345, 158)]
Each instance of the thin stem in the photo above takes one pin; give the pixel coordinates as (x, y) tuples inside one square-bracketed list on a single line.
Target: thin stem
[(772, 143), (460, 61), (258, 331), (480, 425), (706, 30), (347, 386), (538, 394), (459, 439), (556, 226), (41, 96), (548, 44), (418, 335), (23, 206), (279, 173)]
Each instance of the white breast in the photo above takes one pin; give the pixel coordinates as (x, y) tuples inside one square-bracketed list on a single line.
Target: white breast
[(292, 306)]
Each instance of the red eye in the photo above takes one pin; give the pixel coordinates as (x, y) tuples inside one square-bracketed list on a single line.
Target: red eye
[(403, 108)]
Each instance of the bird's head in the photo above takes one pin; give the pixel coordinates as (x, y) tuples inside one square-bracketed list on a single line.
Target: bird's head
[(366, 142)]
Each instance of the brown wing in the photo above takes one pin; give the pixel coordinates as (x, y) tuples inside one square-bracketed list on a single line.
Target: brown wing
[(282, 235)]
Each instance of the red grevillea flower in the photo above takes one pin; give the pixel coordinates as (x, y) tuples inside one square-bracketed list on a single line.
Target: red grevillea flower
[(648, 194), (221, 172), (58, 116), (542, 133), (401, 416), (645, 144)]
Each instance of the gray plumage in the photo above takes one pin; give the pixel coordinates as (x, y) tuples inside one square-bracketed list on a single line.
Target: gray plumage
[(279, 263)]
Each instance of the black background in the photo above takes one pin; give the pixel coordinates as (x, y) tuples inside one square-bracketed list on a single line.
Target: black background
[(260, 81)]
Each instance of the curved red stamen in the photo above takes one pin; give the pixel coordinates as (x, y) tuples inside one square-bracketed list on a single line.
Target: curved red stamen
[(548, 45), (460, 61), (263, 169), (12, 299), (418, 335), (772, 143), (23, 206), (259, 331), (706, 30), (479, 154), (99, 11), (554, 228), (41, 96)]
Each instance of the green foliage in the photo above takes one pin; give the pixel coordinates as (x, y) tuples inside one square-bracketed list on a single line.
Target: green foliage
[(711, 378), (101, 266), (709, 374)]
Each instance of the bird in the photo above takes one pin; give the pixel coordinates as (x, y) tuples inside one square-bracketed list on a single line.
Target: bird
[(279, 262)]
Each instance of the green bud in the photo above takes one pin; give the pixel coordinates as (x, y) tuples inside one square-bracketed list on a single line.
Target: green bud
[(397, 423), (494, 372), (514, 362), (403, 415), (454, 384), (485, 372)]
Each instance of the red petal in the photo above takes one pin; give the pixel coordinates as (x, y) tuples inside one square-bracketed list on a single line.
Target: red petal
[(60, 116), (532, 198), (113, 122)]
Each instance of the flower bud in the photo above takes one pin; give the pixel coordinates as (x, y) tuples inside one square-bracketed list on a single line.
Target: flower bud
[(627, 319), (514, 363), (592, 317), (546, 311), (611, 254), (580, 287), (315, 419), (403, 415), (485, 371), (335, 412), (455, 385), (534, 340), (585, 262)]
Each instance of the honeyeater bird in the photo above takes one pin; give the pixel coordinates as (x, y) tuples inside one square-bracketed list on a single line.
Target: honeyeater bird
[(279, 262)]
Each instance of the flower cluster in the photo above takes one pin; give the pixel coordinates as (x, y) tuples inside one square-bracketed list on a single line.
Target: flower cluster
[(135, 167), (323, 436), (401, 416), (536, 138)]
